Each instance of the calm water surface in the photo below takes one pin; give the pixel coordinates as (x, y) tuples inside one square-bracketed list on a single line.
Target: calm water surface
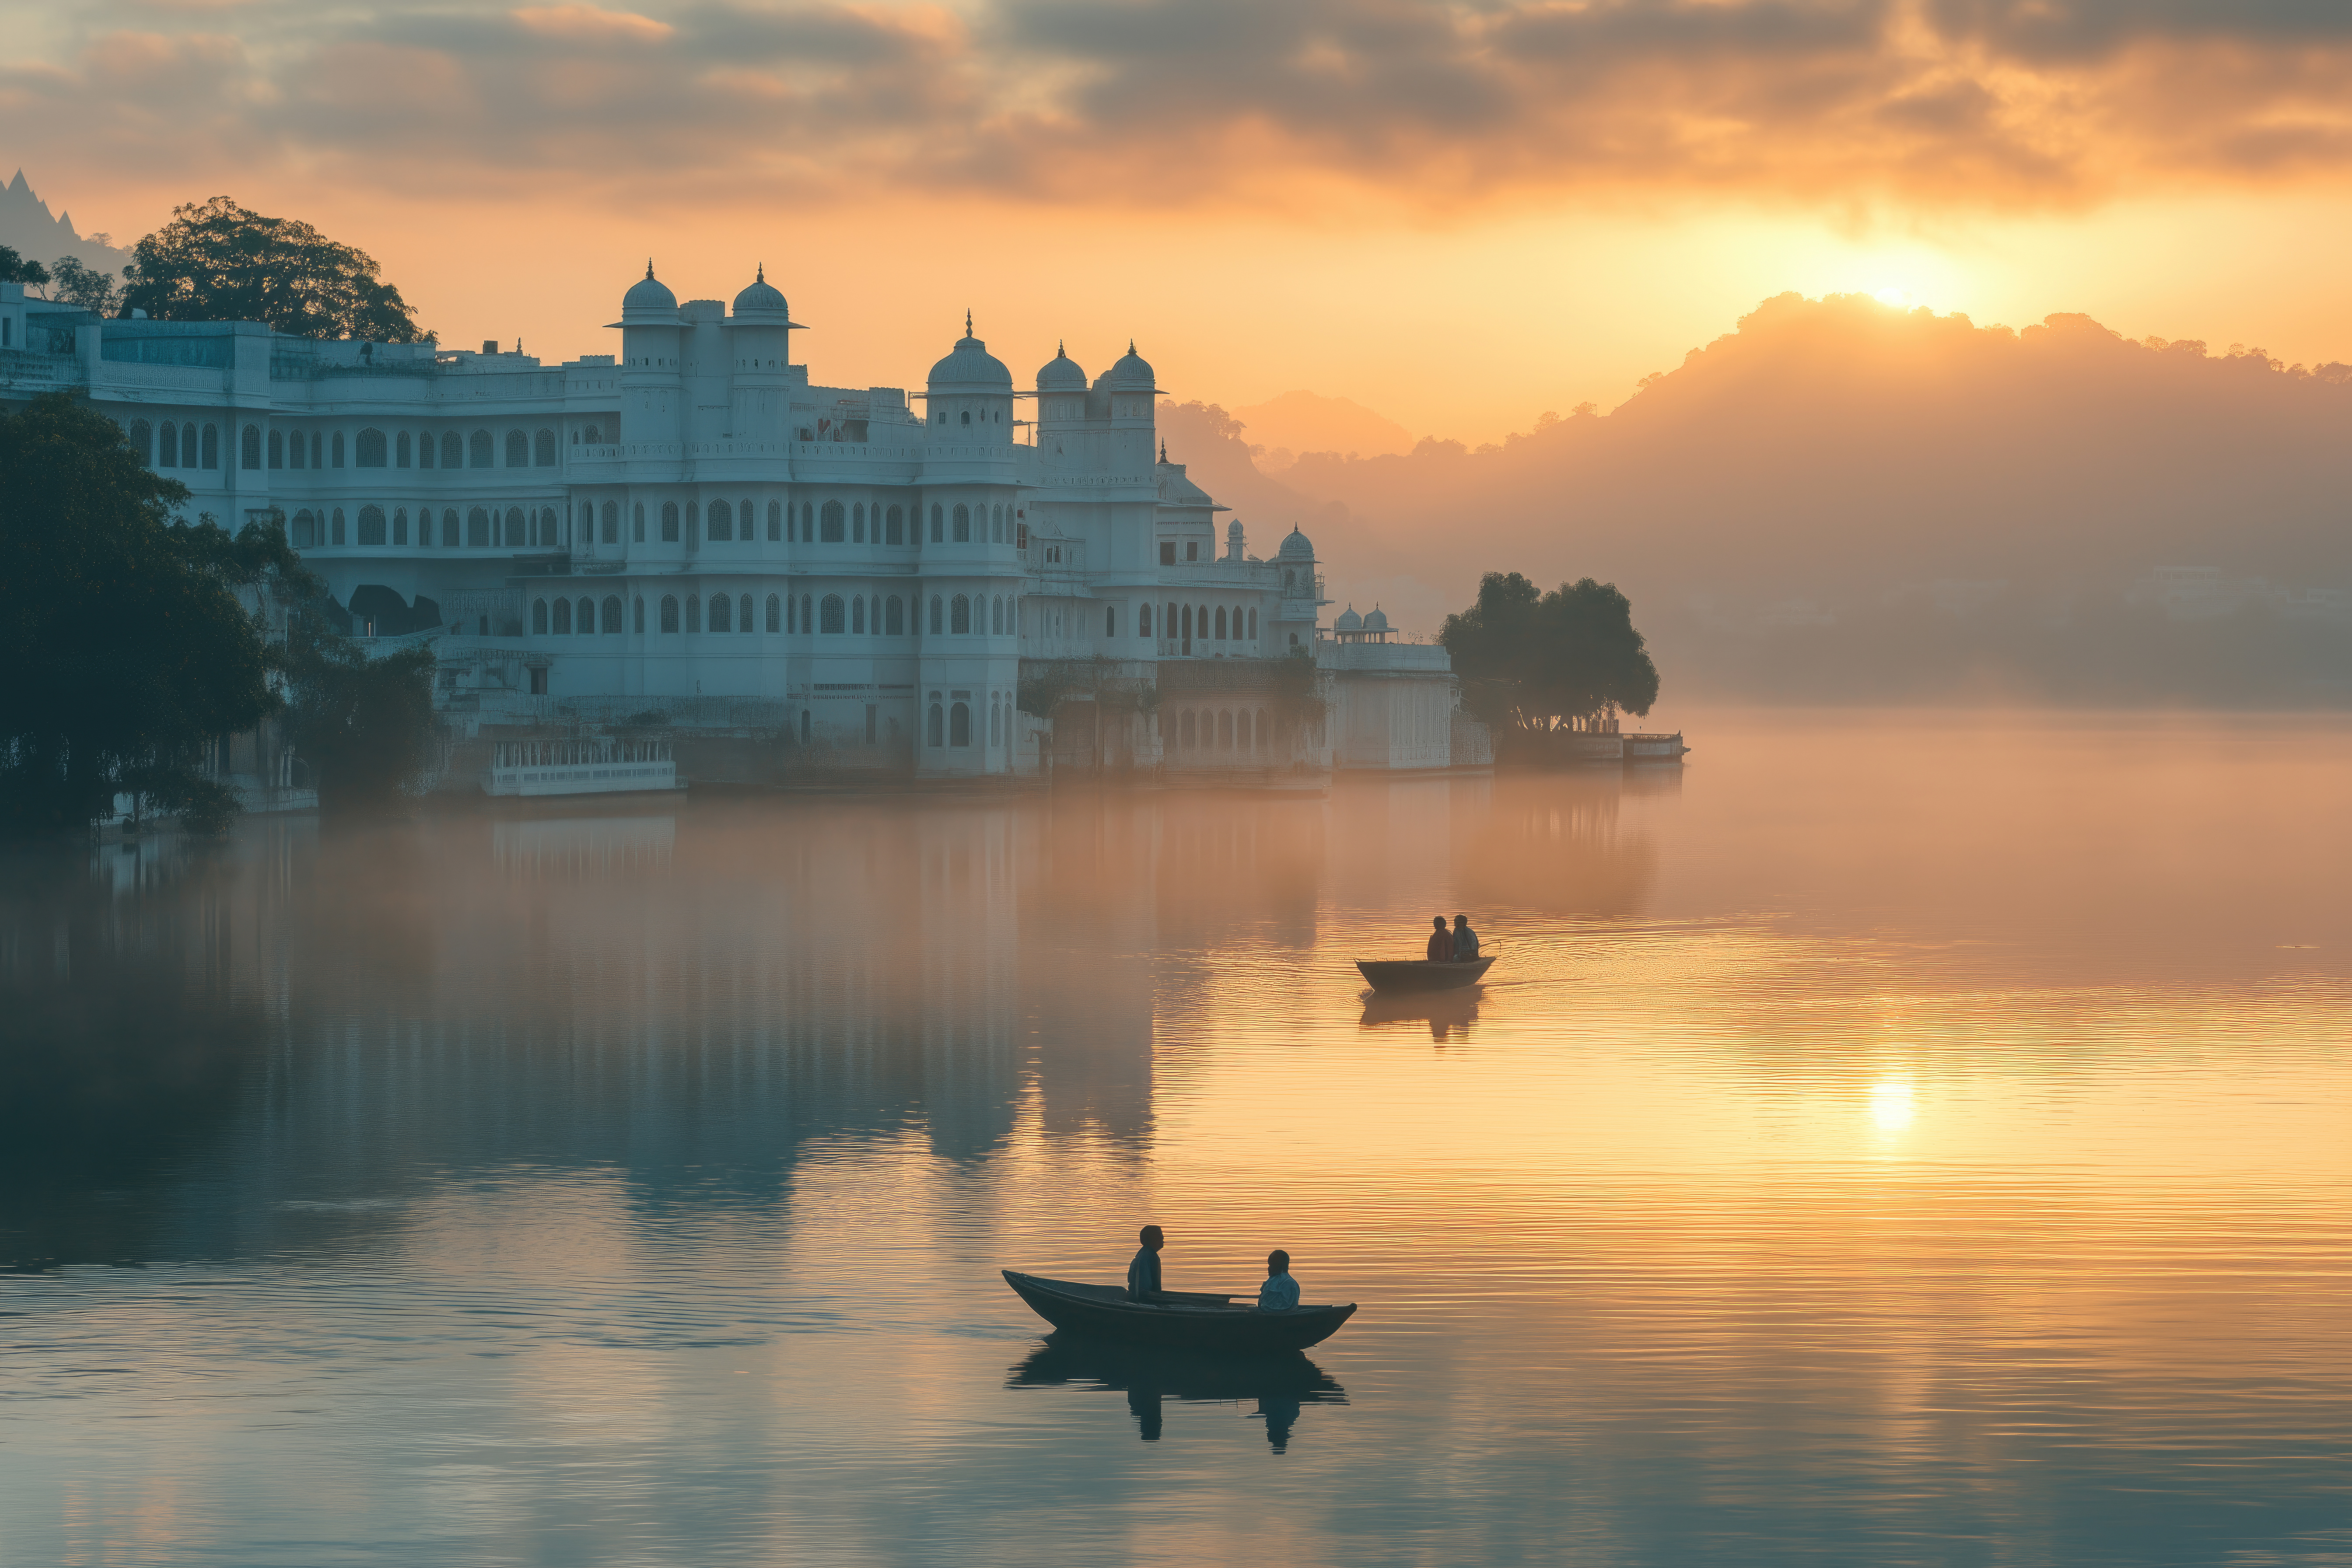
[(1897, 1139)]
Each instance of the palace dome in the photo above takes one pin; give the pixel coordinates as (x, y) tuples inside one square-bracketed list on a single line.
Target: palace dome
[(1297, 547), (1132, 372), (1348, 621), (1061, 373), (1377, 621), (761, 299), (648, 293), (970, 368)]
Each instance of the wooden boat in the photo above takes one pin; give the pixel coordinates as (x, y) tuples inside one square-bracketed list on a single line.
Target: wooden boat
[(1423, 973), (1184, 1321)]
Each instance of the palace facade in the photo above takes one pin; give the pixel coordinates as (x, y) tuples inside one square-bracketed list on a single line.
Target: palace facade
[(693, 528)]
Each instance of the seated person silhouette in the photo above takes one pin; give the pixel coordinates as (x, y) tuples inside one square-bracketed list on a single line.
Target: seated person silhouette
[(1280, 1291), (1441, 944), (1143, 1274), (1465, 941)]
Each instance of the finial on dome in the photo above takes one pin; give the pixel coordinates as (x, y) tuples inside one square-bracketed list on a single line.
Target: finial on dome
[(1061, 350), (1130, 345), (1164, 449), (649, 265), (763, 275), (967, 321)]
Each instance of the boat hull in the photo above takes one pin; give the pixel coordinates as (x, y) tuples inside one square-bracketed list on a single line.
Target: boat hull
[(1422, 975), (1103, 1312)]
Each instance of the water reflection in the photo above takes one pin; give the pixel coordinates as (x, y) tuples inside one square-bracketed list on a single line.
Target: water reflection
[(1278, 1386), (1448, 1014)]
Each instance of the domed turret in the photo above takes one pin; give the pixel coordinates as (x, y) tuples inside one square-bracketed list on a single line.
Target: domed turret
[(763, 299), (1132, 372), (1297, 547), (970, 368), (1377, 621), (1348, 621), (648, 297), (1061, 373)]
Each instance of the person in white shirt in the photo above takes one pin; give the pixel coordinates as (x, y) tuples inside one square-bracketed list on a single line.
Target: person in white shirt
[(1280, 1291)]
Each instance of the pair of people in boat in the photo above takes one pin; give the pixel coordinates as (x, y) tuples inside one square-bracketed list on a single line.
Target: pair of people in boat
[(1459, 946), (1278, 1294)]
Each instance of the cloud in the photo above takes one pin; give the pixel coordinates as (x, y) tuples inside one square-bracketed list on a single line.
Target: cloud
[(1920, 104)]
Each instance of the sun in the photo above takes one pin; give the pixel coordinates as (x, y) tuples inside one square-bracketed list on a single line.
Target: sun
[(1897, 298)]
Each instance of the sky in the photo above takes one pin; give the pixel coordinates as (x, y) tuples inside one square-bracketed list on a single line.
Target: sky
[(1460, 215)]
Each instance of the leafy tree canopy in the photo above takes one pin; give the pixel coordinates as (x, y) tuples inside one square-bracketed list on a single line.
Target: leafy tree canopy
[(365, 725), (86, 287), (14, 268), (1528, 660), (125, 644), (215, 261)]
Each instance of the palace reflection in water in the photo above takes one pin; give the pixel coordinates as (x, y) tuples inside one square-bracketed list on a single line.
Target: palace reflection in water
[(1931, 1157)]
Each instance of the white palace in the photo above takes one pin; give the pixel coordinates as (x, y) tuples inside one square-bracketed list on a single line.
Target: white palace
[(691, 528)]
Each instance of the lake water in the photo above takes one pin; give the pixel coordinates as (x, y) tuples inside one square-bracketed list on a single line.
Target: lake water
[(1892, 1139)]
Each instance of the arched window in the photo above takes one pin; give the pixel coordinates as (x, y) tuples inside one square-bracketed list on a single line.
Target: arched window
[(316, 460), (637, 524), (669, 612), (996, 723), (277, 448), (743, 519), (297, 446), (830, 615), (449, 528), (611, 529), (367, 450), (1220, 623), (543, 449), (775, 614), (936, 731), (669, 522), (896, 623), (858, 613), (962, 523), (858, 523), (1187, 730), (550, 527), (588, 618), (477, 528), (250, 448), (1252, 632), (338, 449), (517, 449), (1110, 620), (775, 521), (372, 525), (400, 450), (959, 724), (937, 524), (562, 625), (721, 522), (743, 612), (1242, 731), (1188, 624), (479, 451), (167, 446), (694, 612), (996, 615), (453, 450), (143, 440), (1143, 622), (959, 615), (807, 618), (895, 526), (400, 525), (808, 523), (693, 520), (335, 529), (720, 620), (829, 530), (306, 531), (514, 527), (424, 450), (1226, 731), (593, 436), (791, 613), (938, 615), (538, 617), (612, 609)]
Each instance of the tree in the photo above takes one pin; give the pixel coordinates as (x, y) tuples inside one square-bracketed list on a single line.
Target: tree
[(215, 261), (14, 268), (1528, 660), (365, 725), (86, 287), (125, 646)]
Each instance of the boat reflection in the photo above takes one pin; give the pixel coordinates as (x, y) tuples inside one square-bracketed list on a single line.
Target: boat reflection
[(1445, 1012), (1281, 1384)]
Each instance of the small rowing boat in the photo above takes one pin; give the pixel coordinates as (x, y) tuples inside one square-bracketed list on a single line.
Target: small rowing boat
[(1422, 973), (1185, 1321)]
